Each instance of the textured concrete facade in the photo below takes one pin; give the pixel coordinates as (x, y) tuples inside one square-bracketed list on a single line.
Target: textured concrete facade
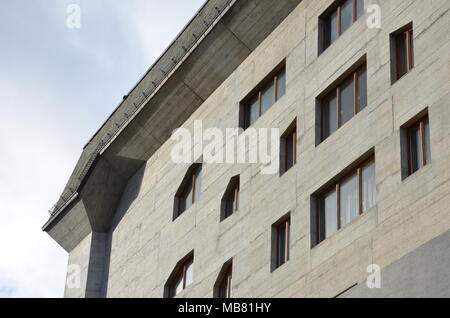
[(421, 273), (137, 254)]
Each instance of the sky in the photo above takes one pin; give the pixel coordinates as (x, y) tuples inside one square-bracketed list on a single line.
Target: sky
[(57, 86)]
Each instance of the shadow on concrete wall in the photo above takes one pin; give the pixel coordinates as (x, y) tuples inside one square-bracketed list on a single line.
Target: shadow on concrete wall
[(101, 244)]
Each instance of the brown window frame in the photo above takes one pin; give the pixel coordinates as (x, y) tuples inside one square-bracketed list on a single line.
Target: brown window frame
[(286, 223), (405, 33), (337, 90), (409, 32), (235, 199), (226, 283), (180, 273), (289, 136), (231, 194), (422, 155), (327, 16), (271, 80), (337, 187), (189, 181)]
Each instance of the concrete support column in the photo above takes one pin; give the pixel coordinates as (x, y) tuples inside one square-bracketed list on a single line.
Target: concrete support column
[(98, 261), (88, 267)]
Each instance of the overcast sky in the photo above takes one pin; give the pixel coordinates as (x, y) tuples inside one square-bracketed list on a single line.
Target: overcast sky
[(57, 86)]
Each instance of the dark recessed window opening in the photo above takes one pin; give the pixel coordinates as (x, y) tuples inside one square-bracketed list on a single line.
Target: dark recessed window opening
[(230, 200), (402, 51), (343, 102), (267, 94), (189, 191), (418, 145), (288, 148), (281, 242), (181, 277), (346, 200), (222, 287), (337, 20)]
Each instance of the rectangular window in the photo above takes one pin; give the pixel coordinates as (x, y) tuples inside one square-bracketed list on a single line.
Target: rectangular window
[(346, 14), (346, 200), (270, 91), (267, 97), (343, 102), (253, 111), (346, 101), (281, 84), (361, 87), (328, 214), (281, 231), (288, 150), (368, 186), (336, 20), (329, 115), (331, 29), (359, 8), (418, 145), (403, 52)]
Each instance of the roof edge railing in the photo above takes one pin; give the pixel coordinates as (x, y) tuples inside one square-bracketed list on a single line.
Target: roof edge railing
[(146, 93)]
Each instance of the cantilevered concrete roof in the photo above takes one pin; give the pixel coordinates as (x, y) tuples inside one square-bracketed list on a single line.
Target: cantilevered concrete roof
[(221, 35)]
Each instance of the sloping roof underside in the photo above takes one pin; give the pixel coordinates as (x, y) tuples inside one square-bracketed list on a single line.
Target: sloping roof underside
[(145, 88)]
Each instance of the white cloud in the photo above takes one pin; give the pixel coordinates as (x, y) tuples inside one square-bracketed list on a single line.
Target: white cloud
[(58, 88), (33, 169), (155, 24)]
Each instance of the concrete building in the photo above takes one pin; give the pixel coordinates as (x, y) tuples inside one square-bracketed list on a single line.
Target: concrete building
[(365, 172)]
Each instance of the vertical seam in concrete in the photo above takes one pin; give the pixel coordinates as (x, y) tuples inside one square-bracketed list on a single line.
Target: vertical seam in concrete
[(237, 38), (193, 92)]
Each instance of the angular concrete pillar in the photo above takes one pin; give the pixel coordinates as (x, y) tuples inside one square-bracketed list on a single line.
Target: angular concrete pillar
[(87, 268)]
